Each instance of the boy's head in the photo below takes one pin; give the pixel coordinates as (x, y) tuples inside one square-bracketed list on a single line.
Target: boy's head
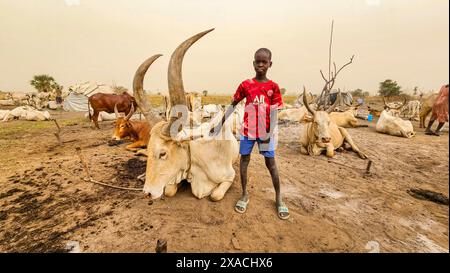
[(263, 60)]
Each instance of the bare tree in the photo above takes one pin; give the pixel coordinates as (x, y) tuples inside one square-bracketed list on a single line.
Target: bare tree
[(324, 98)]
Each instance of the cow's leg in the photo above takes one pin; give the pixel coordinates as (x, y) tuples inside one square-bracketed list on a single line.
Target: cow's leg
[(303, 150), (219, 192), (136, 145), (95, 118), (170, 190), (349, 140), (143, 152)]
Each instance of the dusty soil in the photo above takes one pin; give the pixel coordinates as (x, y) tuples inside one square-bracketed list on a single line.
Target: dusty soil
[(45, 203)]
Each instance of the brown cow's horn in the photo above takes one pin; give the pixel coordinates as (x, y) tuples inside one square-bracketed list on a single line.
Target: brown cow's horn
[(174, 76), (338, 98), (138, 91), (130, 113), (115, 110), (306, 103)]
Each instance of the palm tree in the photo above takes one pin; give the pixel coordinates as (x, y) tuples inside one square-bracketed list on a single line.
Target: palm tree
[(43, 83)]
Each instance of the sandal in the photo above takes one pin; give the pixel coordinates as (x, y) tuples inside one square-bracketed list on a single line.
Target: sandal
[(241, 206), (282, 209)]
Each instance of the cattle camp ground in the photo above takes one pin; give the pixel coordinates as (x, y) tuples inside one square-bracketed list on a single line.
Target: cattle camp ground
[(46, 205)]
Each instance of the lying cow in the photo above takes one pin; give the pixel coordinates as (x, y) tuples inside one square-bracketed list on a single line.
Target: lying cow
[(394, 126), (8, 102), (106, 102), (206, 163), (26, 113), (347, 119), (319, 133), (292, 114), (137, 131)]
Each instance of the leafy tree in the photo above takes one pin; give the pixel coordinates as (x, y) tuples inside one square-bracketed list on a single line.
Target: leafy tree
[(44, 83), (389, 88), (366, 94), (283, 91), (357, 92), (415, 91), (205, 93)]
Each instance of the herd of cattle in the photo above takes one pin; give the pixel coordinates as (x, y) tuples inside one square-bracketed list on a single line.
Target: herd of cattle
[(176, 152), (205, 160)]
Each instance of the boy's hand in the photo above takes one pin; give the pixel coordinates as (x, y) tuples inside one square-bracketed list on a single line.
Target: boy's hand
[(265, 141)]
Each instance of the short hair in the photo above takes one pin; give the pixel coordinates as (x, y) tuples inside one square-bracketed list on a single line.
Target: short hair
[(265, 50)]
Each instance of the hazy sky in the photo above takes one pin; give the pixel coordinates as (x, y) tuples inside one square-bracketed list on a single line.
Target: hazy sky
[(106, 40)]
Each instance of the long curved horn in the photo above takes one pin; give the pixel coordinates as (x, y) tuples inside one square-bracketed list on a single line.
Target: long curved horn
[(174, 76), (130, 113), (115, 110), (138, 91), (306, 103), (338, 98), (385, 103), (403, 104)]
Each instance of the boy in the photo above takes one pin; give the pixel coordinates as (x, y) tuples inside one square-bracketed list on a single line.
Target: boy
[(263, 96)]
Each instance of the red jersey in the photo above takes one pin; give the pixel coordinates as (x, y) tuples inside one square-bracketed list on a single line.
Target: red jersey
[(260, 99)]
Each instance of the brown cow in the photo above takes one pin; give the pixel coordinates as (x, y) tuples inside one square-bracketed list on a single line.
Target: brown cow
[(106, 102), (137, 131)]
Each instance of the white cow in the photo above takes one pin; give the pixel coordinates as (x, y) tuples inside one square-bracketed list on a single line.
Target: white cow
[(206, 163), (27, 113), (210, 110), (411, 110), (293, 114), (394, 126), (8, 102)]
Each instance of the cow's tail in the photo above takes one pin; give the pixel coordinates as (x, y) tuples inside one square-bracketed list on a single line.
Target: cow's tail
[(89, 110)]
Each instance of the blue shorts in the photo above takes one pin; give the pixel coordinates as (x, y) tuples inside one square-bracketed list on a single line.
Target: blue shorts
[(266, 149)]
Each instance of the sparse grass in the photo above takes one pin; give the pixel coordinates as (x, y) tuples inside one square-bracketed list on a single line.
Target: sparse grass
[(21, 127)]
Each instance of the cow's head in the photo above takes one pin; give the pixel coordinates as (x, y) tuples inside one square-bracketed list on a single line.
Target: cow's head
[(394, 109), (122, 128), (320, 121), (168, 157)]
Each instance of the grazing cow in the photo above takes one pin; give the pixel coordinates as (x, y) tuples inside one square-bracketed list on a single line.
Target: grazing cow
[(320, 133), (137, 131), (106, 102), (206, 162), (394, 126), (411, 110), (427, 106)]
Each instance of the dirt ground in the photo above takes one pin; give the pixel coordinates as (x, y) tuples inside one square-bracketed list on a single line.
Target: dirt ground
[(45, 203)]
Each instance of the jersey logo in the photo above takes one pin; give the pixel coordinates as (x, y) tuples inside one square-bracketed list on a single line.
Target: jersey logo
[(259, 100)]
